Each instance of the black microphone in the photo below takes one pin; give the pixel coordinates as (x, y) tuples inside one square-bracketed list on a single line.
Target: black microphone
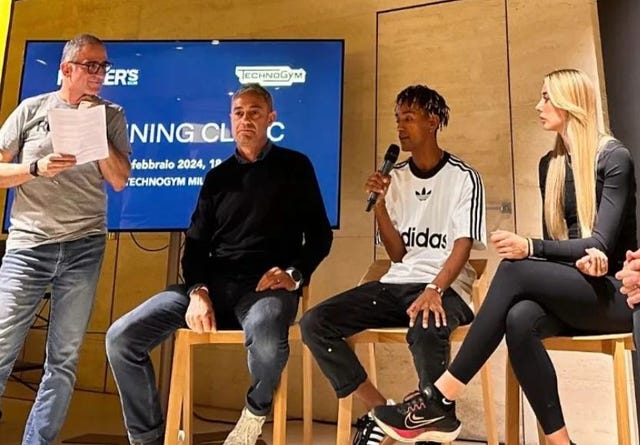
[(390, 158)]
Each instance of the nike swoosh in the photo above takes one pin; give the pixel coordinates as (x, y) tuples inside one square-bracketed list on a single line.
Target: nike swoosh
[(412, 423)]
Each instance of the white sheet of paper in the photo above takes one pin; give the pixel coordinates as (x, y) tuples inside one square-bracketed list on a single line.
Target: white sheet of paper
[(81, 132)]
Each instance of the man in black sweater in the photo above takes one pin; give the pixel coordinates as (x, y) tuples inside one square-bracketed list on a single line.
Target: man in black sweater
[(258, 232)]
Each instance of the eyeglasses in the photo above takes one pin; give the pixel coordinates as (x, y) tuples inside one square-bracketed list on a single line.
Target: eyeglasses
[(94, 67)]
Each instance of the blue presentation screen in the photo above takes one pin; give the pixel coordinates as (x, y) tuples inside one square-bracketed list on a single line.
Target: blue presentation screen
[(176, 97)]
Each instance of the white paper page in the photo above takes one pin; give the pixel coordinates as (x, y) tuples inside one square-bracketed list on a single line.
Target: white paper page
[(81, 132)]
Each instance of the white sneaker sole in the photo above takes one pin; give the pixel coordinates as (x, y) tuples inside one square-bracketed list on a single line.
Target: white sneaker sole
[(427, 436)]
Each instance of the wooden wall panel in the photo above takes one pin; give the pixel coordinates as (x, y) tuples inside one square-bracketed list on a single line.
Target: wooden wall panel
[(544, 36), (465, 59)]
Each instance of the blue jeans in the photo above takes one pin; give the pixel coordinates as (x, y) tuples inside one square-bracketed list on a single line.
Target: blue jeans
[(264, 317), (71, 270)]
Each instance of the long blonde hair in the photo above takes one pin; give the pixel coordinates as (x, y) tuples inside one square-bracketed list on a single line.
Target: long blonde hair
[(571, 90)]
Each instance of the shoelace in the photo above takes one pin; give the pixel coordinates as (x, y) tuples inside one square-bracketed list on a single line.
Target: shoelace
[(412, 402), (411, 395)]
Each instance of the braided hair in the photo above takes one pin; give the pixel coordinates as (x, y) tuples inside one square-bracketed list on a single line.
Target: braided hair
[(427, 100)]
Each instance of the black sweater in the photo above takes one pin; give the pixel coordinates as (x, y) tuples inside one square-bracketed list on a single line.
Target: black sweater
[(614, 231), (251, 217)]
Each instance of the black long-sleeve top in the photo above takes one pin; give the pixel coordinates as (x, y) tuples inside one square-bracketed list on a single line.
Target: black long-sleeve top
[(614, 231), (252, 216)]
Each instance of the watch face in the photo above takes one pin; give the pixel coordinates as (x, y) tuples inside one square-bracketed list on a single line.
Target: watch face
[(295, 274), (33, 168)]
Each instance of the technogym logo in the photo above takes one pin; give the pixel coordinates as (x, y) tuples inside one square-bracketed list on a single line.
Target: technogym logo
[(413, 238), (271, 76)]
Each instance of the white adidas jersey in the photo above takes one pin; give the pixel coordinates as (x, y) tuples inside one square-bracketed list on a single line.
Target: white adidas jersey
[(430, 212)]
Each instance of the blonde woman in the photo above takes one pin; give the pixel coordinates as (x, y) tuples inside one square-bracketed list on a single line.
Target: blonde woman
[(587, 184)]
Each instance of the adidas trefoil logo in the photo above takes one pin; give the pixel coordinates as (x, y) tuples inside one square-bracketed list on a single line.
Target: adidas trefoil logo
[(423, 195)]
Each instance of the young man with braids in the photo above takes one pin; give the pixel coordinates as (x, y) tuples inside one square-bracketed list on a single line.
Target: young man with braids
[(430, 214)]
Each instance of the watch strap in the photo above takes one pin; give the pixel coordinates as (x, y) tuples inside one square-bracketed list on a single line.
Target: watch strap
[(436, 288), (33, 169)]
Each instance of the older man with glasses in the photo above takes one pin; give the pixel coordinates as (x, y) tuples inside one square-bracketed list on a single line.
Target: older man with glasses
[(57, 231)]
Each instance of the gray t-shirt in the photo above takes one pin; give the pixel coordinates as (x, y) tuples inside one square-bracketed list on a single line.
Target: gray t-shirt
[(69, 206)]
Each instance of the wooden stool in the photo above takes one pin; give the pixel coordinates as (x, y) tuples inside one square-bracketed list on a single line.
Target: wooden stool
[(179, 426), (371, 337), (614, 345)]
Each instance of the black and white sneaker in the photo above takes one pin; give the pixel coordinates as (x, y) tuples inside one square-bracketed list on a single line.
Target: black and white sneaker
[(367, 432), (424, 416)]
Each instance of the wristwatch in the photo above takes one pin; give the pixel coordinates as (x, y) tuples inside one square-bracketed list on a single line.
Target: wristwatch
[(197, 287), (436, 288), (296, 276), (33, 169)]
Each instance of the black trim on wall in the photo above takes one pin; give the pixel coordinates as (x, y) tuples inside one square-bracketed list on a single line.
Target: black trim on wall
[(620, 37)]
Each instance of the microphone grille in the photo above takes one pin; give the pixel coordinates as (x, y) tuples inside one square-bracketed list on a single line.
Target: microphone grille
[(392, 153)]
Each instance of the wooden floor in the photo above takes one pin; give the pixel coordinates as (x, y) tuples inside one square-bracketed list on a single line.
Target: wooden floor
[(97, 413)]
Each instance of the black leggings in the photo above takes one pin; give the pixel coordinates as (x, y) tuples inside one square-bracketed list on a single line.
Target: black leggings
[(530, 300)]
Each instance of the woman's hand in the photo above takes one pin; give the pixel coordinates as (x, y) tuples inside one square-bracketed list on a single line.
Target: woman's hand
[(509, 245), (595, 263)]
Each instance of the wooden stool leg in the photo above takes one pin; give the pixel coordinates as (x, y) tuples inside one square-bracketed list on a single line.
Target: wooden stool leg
[(542, 437), (176, 394), (280, 410), (491, 424), (345, 407), (187, 404), (372, 371), (620, 388), (345, 411), (307, 396), (512, 407)]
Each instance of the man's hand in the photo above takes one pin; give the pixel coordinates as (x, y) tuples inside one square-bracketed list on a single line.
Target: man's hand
[(632, 260), (54, 164), (509, 245), (200, 316), (428, 301), (377, 183), (630, 277), (276, 278), (595, 263)]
